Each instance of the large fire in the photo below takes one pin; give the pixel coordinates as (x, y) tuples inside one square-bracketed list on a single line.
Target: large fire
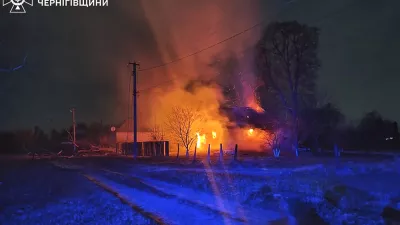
[(173, 41), (248, 139), (214, 128), (178, 29), (204, 98)]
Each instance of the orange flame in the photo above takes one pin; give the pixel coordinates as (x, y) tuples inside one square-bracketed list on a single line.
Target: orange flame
[(201, 139)]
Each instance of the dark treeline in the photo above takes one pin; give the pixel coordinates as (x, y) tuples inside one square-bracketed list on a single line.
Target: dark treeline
[(325, 127), (373, 133), (33, 140)]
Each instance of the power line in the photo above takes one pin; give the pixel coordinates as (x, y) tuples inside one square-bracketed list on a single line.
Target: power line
[(157, 85), (318, 22), (195, 53), (204, 49), (216, 44), (329, 15)]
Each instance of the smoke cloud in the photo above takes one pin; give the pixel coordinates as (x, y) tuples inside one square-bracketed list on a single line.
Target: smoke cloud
[(181, 28)]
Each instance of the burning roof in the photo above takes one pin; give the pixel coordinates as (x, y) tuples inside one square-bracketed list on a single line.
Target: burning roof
[(245, 117)]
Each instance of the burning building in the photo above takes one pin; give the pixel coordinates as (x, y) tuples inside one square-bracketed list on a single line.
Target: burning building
[(197, 82), (246, 117)]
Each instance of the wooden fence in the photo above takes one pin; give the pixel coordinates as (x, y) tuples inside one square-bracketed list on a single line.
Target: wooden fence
[(147, 148)]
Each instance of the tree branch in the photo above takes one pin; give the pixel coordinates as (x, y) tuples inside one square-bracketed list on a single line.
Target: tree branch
[(277, 89), (181, 122)]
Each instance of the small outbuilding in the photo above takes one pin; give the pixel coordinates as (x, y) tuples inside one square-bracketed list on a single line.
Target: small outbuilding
[(146, 144)]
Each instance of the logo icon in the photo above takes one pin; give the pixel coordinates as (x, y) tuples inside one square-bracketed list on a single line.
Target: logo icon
[(18, 5)]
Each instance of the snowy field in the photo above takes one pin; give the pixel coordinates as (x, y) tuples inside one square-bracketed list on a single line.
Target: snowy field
[(34, 192), (255, 190)]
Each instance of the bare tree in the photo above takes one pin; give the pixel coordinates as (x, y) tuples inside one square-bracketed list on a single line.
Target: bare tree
[(287, 61), (275, 136), (157, 133), (274, 142), (182, 124)]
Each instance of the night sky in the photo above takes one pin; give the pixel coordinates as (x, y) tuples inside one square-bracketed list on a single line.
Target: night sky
[(77, 56)]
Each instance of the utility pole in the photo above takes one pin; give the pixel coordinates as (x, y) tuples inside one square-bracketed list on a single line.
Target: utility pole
[(134, 74), (73, 128)]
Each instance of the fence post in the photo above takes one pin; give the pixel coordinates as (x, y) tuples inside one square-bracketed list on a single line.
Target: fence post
[(177, 155), (162, 148), (221, 153), (208, 154), (236, 153), (166, 144), (195, 152)]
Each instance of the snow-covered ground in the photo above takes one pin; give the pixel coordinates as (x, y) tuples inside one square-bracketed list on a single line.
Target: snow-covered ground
[(366, 184), (177, 205), (262, 191), (34, 192)]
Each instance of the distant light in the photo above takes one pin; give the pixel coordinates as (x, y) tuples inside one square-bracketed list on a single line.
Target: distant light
[(391, 138), (112, 129)]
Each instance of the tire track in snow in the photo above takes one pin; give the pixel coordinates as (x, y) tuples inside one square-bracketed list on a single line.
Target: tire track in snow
[(154, 218), (145, 186)]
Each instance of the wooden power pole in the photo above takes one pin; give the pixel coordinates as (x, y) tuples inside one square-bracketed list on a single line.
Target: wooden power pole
[(134, 74)]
